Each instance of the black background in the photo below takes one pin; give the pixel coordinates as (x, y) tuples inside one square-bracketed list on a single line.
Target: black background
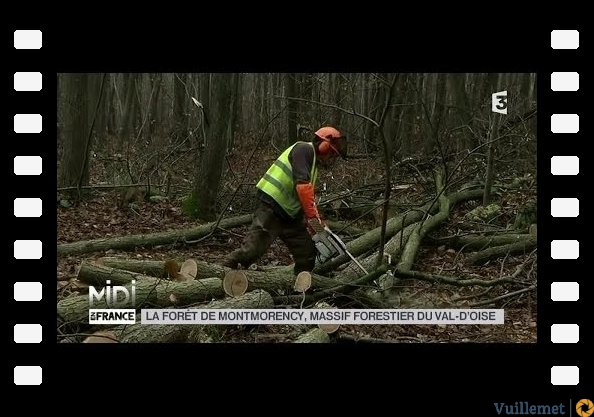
[(435, 379)]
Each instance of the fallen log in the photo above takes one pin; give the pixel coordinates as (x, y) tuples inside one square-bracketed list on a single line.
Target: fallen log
[(186, 272), (273, 280), (146, 267), (411, 248), (370, 299), (188, 333), (523, 246), (396, 246), (333, 292), (160, 293), (315, 335), (155, 268), (393, 247), (403, 246), (148, 240), (235, 283), (443, 279), (477, 243), (342, 227), (98, 275), (250, 300), (371, 239), (302, 282)]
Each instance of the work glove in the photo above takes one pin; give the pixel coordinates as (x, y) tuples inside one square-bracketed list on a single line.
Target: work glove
[(313, 220), (315, 225)]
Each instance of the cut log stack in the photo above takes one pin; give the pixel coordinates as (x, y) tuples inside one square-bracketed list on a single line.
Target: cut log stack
[(190, 285), (193, 283)]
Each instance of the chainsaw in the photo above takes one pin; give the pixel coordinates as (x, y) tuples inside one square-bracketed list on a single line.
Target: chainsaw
[(329, 246)]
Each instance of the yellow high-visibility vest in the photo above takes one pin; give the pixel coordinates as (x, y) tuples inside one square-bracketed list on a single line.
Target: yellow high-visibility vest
[(278, 182)]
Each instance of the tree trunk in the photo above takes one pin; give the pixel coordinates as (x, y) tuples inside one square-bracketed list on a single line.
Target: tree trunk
[(463, 113), (95, 95), (148, 240), (233, 106), (336, 97), (131, 107), (180, 115), (208, 171), (74, 163), (109, 105), (154, 123), (291, 109), (437, 94), (494, 131)]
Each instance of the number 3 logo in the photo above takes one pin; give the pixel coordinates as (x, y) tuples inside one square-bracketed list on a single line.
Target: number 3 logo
[(499, 102)]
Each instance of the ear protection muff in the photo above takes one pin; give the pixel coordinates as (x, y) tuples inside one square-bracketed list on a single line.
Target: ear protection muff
[(324, 147)]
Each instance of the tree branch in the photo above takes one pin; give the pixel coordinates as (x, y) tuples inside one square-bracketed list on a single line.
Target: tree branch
[(388, 164), (332, 106), (501, 297)]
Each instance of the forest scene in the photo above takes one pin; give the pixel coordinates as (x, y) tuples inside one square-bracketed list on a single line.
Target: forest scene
[(435, 200)]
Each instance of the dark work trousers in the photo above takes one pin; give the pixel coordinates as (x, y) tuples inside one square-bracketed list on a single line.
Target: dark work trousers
[(266, 227)]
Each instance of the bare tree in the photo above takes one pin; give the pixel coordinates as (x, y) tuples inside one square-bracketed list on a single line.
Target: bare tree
[(292, 108), (180, 116), (202, 203), (494, 130), (74, 130)]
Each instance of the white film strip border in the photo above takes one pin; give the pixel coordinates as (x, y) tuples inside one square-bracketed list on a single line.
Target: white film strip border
[(562, 165), (31, 206), (565, 165)]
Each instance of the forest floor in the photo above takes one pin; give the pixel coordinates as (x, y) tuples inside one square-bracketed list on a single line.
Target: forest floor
[(99, 217)]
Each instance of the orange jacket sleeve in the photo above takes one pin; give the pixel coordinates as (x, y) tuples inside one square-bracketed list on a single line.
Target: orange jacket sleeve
[(305, 192)]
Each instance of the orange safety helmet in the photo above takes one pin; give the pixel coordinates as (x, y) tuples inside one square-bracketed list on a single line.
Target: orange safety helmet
[(332, 139)]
